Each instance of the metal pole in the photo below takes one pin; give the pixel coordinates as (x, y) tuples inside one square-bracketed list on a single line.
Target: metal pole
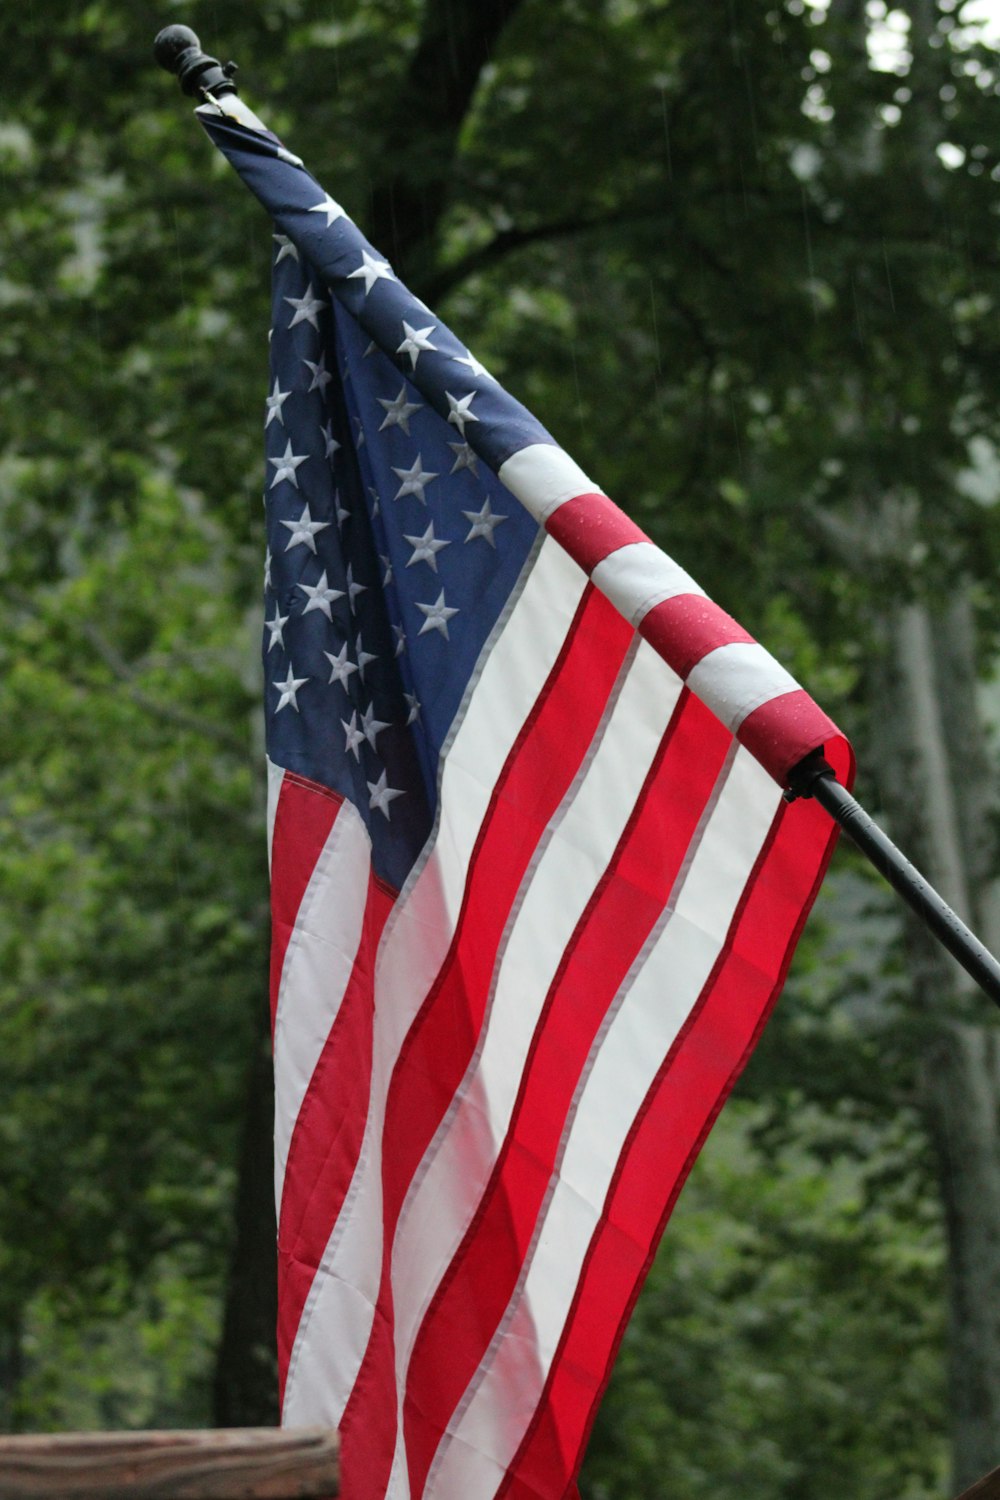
[(813, 777)]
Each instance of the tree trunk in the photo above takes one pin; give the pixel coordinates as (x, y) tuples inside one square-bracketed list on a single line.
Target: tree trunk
[(246, 1386), (11, 1369), (936, 787)]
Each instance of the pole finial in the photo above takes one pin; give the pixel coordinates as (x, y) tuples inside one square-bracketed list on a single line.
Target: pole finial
[(178, 49)]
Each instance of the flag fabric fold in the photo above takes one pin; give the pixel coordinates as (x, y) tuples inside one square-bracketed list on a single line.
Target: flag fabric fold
[(535, 887)]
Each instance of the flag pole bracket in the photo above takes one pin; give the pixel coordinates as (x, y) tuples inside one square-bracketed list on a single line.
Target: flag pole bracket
[(815, 777), (178, 50)]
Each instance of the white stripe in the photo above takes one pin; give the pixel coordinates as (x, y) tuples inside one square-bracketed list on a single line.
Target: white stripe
[(231, 106), (318, 964), (275, 776), (488, 1425), (543, 477), (584, 833), (734, 680), (639, 576), (336, 1320)]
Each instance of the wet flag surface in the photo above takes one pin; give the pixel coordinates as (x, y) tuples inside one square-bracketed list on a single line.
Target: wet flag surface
[(535, 887)]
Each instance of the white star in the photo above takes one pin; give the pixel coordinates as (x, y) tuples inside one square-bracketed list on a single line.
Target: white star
[(340, 667), (285, 247), (414, 707), (464, 457), (354, 589), (274, 402), (372, 270), (438, 614), (399, 412), (327, 430), (460, 413), (359, 441), (472, 364), (426, 547), (320, 596), (306, 308), (415, 478), (342, 514), (286, 465), (364, 657), (330, 207), (321, 375), (484, 523), (288, 690), (353, 736), (267, 568), (400, 635), (376, 504), (416, 341), (382, 794), (275, 626), (304, 531), (387, 565), (370, 726)]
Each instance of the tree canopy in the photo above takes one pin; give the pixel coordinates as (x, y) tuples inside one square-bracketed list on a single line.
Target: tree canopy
[(742, 262)]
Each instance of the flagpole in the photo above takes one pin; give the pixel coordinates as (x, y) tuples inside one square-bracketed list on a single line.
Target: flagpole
[(814, 777), (178, 50)]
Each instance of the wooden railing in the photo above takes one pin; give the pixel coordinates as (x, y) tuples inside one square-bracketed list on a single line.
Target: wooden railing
[(238, 1464), (987, 1488), (246, 1463)]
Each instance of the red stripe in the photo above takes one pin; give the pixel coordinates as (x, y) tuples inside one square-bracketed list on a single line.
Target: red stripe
[(781, 732), (436, 1053), (684, 629), (623, 910), (590, 527), (304, 816), (328, 1132), (677, 1115)]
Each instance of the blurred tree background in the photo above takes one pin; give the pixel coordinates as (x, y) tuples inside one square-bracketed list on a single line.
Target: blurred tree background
[(742, 260)]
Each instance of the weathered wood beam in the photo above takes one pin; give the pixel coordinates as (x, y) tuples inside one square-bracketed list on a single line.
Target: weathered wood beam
[(987, 1488), (229, 1464)]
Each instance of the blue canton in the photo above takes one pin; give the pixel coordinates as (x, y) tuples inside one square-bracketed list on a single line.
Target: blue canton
[(393, 550)]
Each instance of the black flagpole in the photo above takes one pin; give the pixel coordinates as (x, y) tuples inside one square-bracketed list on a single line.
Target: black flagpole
[(813, 777), (178, 49)]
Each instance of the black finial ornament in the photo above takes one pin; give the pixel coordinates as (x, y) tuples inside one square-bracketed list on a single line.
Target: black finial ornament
[(178, 49)]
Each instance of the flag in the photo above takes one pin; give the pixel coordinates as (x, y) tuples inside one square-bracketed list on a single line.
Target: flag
[(535, 886)]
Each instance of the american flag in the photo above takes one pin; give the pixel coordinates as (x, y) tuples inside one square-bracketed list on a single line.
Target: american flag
[(535, 887)]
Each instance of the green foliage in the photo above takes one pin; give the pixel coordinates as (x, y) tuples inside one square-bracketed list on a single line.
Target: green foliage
[(796, 318), (789, 1337), (129, 1361), (132, 930)]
